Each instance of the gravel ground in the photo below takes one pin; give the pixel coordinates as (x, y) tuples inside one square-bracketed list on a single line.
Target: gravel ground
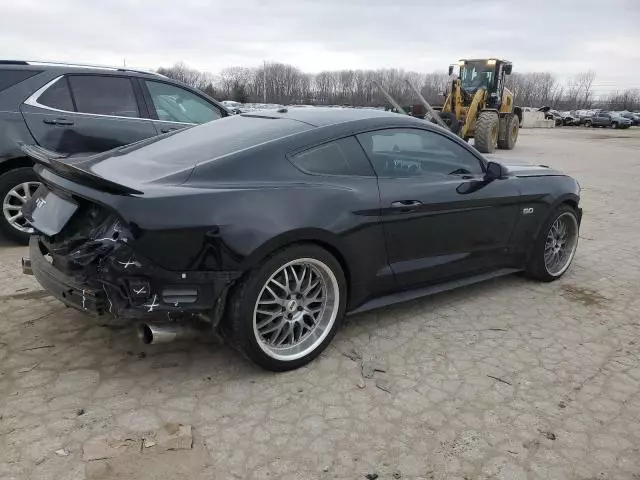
[(509, 379)]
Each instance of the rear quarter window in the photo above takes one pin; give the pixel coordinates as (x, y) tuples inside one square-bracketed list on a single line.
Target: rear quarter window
[(57, 96), (338, 157)]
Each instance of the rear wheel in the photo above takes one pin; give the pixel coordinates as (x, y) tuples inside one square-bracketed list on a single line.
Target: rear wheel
[(555, 246), (16, 188), (486, 132), (284, 313), (587, 123), (614, 124), (509, 128)]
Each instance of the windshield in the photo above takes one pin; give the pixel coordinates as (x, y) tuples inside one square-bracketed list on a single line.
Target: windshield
[(477, 74)]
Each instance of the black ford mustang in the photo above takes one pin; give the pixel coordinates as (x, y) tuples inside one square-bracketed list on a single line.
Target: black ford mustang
[(269, 226)]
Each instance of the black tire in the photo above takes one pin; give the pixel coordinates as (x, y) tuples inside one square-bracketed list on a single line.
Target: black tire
[(587, 123), (8, 182), (451, 120), (509, 128), (536, 268), (614, 124), (239, 322), (486, 132)]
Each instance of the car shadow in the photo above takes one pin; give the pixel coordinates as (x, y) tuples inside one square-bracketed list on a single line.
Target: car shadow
[(70, 340)]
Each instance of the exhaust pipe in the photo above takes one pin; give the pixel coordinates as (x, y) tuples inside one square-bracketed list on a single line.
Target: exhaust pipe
[(152, 333)]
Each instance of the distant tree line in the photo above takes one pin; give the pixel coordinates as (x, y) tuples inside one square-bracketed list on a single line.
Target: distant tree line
[(286, 84)]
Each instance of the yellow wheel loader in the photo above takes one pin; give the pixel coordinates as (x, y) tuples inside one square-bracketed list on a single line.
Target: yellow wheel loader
[(479, 106)]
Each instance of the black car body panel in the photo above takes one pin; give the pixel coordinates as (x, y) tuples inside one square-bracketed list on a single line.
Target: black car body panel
[(214, 203)]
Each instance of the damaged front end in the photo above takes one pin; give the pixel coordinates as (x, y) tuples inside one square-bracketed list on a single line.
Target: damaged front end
[(88, 257)]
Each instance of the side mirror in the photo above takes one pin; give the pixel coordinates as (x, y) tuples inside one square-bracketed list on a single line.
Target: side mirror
[(507, 68), (450, 70), (494, 171)]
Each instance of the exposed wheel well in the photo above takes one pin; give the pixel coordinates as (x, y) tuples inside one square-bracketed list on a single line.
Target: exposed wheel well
[(572, 203), (15, 163)]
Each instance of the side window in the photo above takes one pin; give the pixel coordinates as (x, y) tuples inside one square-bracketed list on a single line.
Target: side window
[(104, 95), (57, 96), (404, 152), (175, 104), (339, 157)]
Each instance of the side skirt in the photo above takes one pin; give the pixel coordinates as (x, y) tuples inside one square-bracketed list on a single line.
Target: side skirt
[(407, 295)]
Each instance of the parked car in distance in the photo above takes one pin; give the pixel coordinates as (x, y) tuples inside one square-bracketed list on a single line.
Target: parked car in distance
[(555, 116), (619, 121), (569, 119), (634, 117), (76, 108), (598, 119), (607, 119), (270, 226)]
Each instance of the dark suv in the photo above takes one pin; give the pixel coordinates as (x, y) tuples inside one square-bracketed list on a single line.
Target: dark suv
[(81, 109)]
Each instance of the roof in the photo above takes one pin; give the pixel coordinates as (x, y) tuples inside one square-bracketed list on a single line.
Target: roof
[(66, 66), (323, 116)]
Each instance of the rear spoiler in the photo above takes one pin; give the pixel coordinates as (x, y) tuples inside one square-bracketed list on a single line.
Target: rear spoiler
[(54, 161)]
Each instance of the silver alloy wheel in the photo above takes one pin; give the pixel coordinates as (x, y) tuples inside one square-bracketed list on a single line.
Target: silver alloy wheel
[(561, 244), (296, 309), (13, 202)]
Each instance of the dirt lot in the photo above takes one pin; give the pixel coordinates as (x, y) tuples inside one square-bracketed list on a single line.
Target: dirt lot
[(509, 379)]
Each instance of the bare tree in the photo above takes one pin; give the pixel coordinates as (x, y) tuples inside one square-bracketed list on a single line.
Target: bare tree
[(287, 84), (585, 82)]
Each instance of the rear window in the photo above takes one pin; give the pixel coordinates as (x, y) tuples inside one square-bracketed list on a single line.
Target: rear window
[(163, 154), (104, 95), (9, 78)]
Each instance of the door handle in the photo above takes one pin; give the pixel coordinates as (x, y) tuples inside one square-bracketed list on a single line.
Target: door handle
[(57, 121), (406, 203)]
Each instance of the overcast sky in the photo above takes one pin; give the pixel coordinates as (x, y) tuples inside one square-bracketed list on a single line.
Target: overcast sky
[(561, 36)]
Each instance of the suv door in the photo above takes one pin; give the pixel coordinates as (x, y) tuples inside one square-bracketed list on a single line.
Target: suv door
[(87, 113), (173, 107), (441, 218)]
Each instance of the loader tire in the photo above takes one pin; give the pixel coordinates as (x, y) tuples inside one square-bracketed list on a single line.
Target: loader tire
[(486, 135), (509, 128)]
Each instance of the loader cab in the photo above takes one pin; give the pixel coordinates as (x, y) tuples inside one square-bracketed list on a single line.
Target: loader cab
[(486, 73)]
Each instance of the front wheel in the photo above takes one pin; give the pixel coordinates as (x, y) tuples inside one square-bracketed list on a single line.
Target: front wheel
[(486, 132), (284, 313), (16, 188), (587, 123), (555, 246)]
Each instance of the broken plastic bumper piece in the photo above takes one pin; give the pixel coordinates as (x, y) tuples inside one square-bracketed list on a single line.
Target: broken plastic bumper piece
[(119, 282)]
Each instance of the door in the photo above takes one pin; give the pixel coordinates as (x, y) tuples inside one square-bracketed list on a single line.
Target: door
[(441, 218), (87, 113), (174, 108)]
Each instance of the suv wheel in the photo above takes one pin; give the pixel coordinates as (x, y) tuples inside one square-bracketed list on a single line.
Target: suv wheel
[(16, 188)]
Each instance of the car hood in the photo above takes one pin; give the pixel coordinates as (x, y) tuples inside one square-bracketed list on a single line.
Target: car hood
[(520, 168)]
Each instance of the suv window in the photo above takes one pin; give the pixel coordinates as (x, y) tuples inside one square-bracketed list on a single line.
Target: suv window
[(58, 96), (404, 152), (104, 95), (175, 104), (339, 157)]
